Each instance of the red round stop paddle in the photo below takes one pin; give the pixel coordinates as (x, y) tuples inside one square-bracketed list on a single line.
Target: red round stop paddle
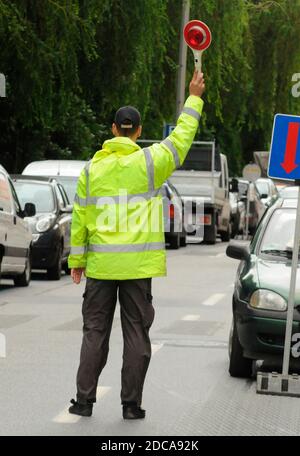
[(198, 37)]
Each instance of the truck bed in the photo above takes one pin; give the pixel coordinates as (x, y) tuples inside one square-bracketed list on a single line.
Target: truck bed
[(199, 185)]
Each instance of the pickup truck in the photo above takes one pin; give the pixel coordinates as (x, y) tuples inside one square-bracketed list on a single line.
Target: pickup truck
[(203, 182), (203, 179)]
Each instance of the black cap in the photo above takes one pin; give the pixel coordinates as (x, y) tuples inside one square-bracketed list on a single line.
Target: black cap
[(128, 117)]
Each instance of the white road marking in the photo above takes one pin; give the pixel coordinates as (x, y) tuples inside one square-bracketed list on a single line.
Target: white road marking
[(155, 348), (213, 299), (2, 346), (191, 318), (65, 417), (102, 391)]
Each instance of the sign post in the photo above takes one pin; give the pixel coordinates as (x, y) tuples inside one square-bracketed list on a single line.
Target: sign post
[(251, 173), (198, 37), (284, 164)]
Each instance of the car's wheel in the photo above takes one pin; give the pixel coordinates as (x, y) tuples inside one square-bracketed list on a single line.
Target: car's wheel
[(210, 234), (183, 241), (175, 241), (66, 268), (23, 280), (226, 235), (234, 227), (239, 366), (210, 231), (54, 273)]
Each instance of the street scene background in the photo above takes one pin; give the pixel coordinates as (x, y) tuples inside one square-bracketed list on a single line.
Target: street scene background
[(66, 66)]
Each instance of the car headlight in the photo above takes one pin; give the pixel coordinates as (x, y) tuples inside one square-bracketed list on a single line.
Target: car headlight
[(44, 224), (268, 300), (35, 237)]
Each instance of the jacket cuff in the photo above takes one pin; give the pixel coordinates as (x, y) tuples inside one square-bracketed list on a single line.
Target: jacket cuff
[(195, 103), (75, 263)]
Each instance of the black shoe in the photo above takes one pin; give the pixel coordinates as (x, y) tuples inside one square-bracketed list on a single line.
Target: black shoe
[(133, 412), (81, 409)]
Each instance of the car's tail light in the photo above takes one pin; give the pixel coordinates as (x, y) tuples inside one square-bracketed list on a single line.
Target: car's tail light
[(172, 211)]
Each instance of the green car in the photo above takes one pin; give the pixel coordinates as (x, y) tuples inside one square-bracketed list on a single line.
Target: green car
[(261, 292)]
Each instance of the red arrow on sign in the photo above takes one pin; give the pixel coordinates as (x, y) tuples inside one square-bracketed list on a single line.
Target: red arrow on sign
[(289, 163)]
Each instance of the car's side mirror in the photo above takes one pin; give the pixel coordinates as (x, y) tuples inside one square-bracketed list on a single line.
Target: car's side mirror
[(264, 196), (29, 210), (238, 250), (67, 209)]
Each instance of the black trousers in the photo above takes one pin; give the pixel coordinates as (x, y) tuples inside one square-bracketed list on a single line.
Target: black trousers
[(137, 314)]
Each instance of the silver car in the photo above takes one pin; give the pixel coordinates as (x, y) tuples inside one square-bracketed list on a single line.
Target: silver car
[(66, 172), (15, 234)]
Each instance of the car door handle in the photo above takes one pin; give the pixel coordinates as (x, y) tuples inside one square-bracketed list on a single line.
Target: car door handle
[(15, 220)]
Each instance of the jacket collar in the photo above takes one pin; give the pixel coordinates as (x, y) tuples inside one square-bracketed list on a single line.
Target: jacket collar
[(120, 145)]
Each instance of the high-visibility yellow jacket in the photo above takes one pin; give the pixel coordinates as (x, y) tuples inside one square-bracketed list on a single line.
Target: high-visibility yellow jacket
[(117, 224)]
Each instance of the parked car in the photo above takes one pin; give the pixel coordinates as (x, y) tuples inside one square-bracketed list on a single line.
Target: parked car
[(289, 192), (15, 234), (175, 233), (51, 226), (267, 190), (261, 290), (257, 207), (65, 171)]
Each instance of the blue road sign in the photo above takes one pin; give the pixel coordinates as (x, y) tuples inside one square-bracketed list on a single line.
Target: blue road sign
[(284, 161), (168, 128)]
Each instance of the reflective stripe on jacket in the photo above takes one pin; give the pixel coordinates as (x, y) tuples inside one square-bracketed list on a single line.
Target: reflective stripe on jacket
[(117, 224)]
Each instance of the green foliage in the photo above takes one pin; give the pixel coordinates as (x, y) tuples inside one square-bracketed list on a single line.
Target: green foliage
[(70, 64)]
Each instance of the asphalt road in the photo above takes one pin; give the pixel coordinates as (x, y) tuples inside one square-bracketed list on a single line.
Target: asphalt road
[(188, 390)]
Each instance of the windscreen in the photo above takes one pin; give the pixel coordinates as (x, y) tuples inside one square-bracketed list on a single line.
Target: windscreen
[(280, 231), (263, 188), (40, 195), (289, 192), (199, 158)]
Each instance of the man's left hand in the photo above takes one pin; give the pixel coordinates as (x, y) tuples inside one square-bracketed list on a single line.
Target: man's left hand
[(76, 274)]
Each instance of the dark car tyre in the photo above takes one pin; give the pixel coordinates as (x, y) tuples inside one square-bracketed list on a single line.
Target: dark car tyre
[(239, 366), (23, 280), (54, 273), (226, 235), (234, 227), (183, 241), (210, 232), (175, 242), (66, 268)]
